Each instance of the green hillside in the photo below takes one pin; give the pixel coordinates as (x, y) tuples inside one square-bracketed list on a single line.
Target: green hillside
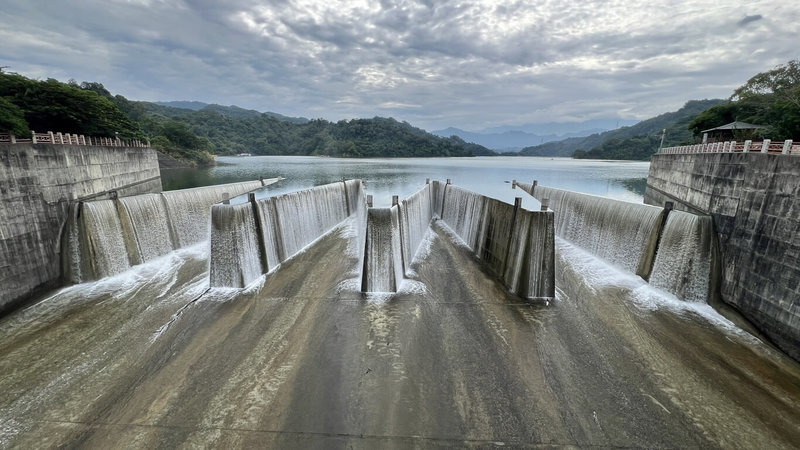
[(634, 142), (196, 133)]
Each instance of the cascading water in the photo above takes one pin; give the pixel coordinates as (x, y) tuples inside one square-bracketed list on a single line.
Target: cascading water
[(415, 217), (382, 260), (104, 238), (306, 215), (234, 246), (112, 235), (514, 243), (144, 219), (683, 261), (621, 233), (263, 234)]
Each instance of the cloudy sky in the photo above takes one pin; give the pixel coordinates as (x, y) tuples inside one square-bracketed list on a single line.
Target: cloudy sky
[(465, 63)]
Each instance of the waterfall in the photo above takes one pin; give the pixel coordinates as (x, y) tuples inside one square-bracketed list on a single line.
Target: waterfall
[(104, 239), (263, 234), (382, 257), (416, 213), (112, 235), (620, 232), (234, 246), (517, 245), (683, 261), (304, 216), (145, 222)]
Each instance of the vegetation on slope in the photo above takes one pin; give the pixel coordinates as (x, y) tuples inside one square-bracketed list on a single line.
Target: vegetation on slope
[(770, 98), (193, 135), (637, 142)]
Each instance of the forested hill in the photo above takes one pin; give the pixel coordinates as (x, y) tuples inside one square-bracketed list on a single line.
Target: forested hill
[(638, 141), (195, 135), (231, 131)]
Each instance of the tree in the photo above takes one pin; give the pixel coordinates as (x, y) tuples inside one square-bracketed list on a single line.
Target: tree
[(12, 119)]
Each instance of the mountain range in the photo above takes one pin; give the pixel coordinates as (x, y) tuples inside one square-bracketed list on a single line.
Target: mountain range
[(514, 138)]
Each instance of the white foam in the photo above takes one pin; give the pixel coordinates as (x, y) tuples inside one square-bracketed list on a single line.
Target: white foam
[(598, 274)]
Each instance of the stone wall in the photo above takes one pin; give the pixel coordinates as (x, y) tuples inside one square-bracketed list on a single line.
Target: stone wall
[(36, 184), (754, 200)]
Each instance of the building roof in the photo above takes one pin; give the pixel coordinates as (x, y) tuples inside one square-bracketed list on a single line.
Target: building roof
[(735, 126)]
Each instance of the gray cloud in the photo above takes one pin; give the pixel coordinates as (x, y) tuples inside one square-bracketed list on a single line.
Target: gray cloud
[(749, 19), (470, 64)]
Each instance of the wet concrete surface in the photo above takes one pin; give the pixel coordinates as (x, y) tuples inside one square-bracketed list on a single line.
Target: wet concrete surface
[(153, 359)]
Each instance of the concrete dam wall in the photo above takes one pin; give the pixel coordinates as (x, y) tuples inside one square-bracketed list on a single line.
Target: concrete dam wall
[(754, 201), (37, 182), (672, 250), (106, 237)]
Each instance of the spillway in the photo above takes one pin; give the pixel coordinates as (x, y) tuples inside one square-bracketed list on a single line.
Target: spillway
[(673, 250), (106, 237), (102, 250), (383, 267), (514, 243), (621, 233), (683, 262), (237, 260), (146, 226), (264, 233)]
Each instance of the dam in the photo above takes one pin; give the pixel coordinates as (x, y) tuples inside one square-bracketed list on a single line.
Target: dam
[(445, 319)]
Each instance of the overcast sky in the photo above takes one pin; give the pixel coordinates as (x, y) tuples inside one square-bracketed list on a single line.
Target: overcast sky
[(465, 63)]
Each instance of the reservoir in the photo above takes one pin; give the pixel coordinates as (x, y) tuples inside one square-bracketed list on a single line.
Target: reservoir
[(156, 357)]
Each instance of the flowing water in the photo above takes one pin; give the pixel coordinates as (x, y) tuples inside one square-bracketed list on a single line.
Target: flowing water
[(621, 233), (155, 356), (683, 262)]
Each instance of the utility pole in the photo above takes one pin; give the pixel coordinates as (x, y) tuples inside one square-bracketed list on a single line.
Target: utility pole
[(663, 134)]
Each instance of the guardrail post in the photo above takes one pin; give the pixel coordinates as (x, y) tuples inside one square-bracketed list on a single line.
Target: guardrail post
[(33, 137), (226, 198), (13, 138), (513, 184), (545, 204), (746, 148), (395, 200), (787, 145), (765, 146), (369, 200)]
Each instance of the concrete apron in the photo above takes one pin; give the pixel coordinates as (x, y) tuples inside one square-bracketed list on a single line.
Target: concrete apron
[(146, 359)]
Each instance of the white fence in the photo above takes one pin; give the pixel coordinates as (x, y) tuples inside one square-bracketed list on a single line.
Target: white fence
[(766, 146), (70, 139)]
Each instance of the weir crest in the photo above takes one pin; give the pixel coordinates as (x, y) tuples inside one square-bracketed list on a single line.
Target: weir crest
[(672, 250)]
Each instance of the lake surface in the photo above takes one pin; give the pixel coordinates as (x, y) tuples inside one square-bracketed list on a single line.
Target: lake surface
[(491, 176)]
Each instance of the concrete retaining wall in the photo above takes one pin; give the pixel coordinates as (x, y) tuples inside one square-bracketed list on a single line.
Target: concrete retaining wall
[(36, 183), (754, 200)]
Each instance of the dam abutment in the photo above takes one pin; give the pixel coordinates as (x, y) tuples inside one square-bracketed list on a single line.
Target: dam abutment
[(753, 199), (38, 182)]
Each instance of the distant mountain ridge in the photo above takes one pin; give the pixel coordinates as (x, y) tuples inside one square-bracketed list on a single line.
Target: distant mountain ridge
[(515, 138), (230, 111), (637, 139)]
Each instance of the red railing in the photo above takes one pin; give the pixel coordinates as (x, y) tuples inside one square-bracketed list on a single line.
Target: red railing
[(70, 139), (766, 146)]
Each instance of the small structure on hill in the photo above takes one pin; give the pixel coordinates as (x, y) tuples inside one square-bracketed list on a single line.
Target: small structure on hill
[(734, 131)]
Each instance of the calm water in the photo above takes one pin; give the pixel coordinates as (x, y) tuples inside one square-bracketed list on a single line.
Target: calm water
[(491, 176)]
